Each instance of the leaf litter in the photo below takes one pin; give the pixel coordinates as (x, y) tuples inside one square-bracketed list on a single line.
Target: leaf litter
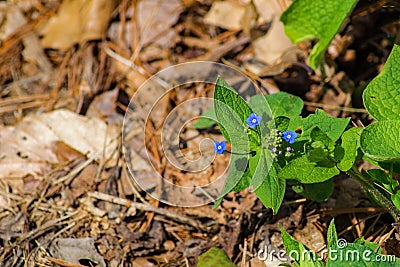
[(67, 72)]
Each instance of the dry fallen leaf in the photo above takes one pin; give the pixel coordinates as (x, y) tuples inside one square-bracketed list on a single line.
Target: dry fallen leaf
[(77, 21), (269, 9), (230, 15), (155, 19), (310, 236), (271, 47), (74, 249), (28, 148)]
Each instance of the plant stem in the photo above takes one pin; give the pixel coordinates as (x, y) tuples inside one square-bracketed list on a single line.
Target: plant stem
[(378, 195)]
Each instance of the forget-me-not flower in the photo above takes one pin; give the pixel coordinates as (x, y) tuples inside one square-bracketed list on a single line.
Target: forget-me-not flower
[(253, 120), (219, 147), (289, 136)]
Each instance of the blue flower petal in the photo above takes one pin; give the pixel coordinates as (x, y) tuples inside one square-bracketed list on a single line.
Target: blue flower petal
[(219, 147), (253, 120), (289, 136)]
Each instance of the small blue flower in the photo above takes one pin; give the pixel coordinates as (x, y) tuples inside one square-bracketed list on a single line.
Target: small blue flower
[(289, 136), (219, 147), (253, 120)]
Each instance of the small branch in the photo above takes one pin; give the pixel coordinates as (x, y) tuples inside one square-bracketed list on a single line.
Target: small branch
[(333, 107), (144, 207)]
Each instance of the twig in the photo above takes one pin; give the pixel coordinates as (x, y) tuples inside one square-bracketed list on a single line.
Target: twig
[(244, 253), (333, 107), (145, 207), (49, 224)]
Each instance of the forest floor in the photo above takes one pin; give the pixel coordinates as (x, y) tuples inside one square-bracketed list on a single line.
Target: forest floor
[(68, 70)]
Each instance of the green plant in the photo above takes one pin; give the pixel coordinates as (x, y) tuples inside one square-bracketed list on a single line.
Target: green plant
[(273, 146), (361, 253), (320, 19)]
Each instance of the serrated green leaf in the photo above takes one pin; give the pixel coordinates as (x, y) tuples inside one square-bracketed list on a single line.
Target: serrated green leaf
[(332, 127), (317, 192), (282, 104), (206, 120), (308, 172), (332, 236), (350, 145), (316, 19), (380, 141), (382, 95), (272, 190), (236, 171), (215, 257), (231, 111)]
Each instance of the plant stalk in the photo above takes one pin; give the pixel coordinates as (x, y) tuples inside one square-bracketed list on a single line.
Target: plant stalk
[(379, 196)]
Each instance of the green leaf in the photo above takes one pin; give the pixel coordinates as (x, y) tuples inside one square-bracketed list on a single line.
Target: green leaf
[(231, 112), (350, 145), (396, 199), (382, 95), (318, 135), (292, 246), (272, 190), (383, 179), (371, 245), (332, 234), (301, 254), (308, 172), (281, 104), (380, 141), (261, 107), (206, 120), (244, 181), (282, 123), (316, 19), (358, 254), (236, 172), (317, 154), (215, 257), (395, 167), (332, 127), (317, 191), (260, 166), (309, 258)]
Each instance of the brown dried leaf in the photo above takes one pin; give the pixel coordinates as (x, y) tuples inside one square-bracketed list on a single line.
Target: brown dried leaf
[(28, 148), (104, 107), (64, 152), (310, 236), (77, 21), (270, 9), (155, 19), (230, 15), (271, 47), (74, 249)]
